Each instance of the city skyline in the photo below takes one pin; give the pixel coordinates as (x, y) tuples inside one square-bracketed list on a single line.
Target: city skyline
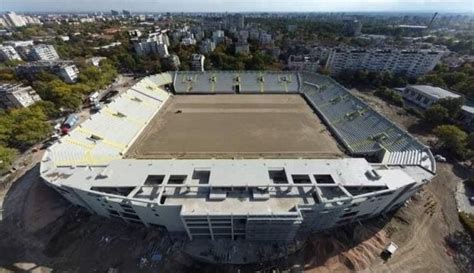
[(239, 6)]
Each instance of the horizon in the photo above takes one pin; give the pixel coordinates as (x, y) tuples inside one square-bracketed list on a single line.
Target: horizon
[(244, 6)]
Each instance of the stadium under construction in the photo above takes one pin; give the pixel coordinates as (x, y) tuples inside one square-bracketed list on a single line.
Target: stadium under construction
[(241, 155)]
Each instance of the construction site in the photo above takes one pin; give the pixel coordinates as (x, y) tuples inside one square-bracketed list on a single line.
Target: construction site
[(221, 182)]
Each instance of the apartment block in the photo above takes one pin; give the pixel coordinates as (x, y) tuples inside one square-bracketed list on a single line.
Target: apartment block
[(17, 96), (412, 63)]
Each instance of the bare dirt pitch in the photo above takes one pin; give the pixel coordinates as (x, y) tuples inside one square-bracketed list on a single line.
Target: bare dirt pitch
[(242, 126)]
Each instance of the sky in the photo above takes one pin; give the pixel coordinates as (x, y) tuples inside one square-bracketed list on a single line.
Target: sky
[(241, 5)]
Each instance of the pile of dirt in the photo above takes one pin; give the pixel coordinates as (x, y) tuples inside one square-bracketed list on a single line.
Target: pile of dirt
[(347, 249)]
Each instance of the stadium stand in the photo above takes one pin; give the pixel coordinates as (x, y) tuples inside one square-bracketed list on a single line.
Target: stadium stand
[(362, 131), (96, 141)]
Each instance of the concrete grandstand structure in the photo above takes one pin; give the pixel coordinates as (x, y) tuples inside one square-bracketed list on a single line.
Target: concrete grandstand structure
[(260, 196)]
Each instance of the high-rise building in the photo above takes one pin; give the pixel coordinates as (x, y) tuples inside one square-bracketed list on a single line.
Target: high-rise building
[(265, 38), (352, 27), (8, 53), (14, 19), (11, 19), (242, 47), (405, 62), (114, 12), (174, 61), (218, 36), (64, 69), (154, 44), (197, 62), (17, 96), (207, 46), (126, 13), (236, 21), (44, 52)]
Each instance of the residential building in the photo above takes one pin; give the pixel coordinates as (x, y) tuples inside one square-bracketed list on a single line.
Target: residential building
[(218, 36), (207, 46), (8, 53), (197, 62), (17, 96), (467, 117), (67, 70), (265, 38), (154, 44), (95, 61), (43, 52), (236, 21), (174, 61), (303, 62), (243, 35), (352, 27), (134, 33), (242, 47), (426, 95), (412, 63), (14, 19), (189, 40), (254, 34)]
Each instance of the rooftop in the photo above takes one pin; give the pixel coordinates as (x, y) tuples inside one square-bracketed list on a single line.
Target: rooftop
[(236, 82), (434, 92)]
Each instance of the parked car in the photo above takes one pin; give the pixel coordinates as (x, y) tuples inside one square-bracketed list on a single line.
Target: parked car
[(67, 125)]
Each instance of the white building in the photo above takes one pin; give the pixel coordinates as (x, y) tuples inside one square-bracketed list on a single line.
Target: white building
[(467, 117), (303, 62), (412, 63), (69, 73), (242, 48), (43, 52), (426, 95), (207, 46), (154, 44), (95, 61), (189, 40), (218, 36), (67, 70), (17, 96), (174, 61), (265, 38), (14, 19), (197, 62), (8, 53)]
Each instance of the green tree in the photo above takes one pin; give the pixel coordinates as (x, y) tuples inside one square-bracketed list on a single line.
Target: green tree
[(7, 156), (48, 108), (29, 126), (452, 139), (5, 128), (432, 79), (453, 105), (436, 114), (470, 141)]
